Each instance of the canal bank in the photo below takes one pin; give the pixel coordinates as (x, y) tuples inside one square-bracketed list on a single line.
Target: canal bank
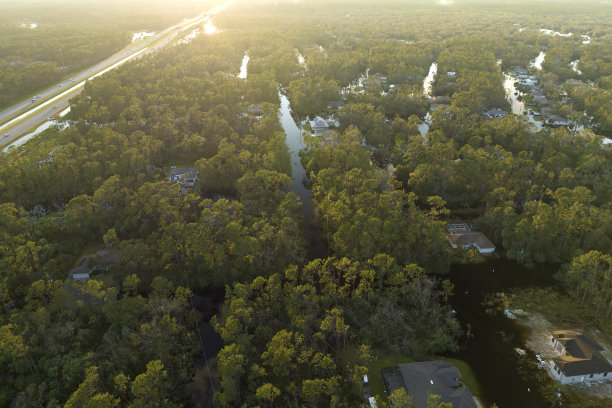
[(489, 347), (317, 247)]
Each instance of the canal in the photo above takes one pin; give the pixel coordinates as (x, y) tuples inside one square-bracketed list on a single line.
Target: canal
[(317, 247), (490, 350)]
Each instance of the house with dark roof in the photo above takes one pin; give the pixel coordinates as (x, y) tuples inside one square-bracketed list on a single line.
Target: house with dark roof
[(102, 260), (494, 113), (420, 380), (556, 121), (579, 358), (335, 104)]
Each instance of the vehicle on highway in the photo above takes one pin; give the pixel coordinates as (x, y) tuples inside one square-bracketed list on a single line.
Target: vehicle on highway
[(6, 135), (53, 107)]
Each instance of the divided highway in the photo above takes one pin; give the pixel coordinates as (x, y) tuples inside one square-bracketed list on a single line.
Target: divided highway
[(24, 116)]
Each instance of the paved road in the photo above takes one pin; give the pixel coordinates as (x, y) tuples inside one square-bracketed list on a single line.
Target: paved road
[(21, 118)]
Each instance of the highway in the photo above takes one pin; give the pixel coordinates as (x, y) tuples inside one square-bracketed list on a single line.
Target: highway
[(26, 115)]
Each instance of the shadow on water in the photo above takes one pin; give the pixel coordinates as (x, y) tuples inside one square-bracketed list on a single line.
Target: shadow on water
[(293, 137), (490, 351), (206, 378)]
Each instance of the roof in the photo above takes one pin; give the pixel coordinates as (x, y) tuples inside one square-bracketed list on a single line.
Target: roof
[(582, 354), (435, 377), (191, 173), (471, 238), (391, 379), (102, 257), (80, 276), (335, 104)]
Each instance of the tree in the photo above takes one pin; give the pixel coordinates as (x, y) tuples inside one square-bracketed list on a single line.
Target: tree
[(268, 393), (150, 388), (400, 399)]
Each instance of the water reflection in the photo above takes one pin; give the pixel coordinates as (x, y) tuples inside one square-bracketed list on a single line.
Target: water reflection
[(537, 63), (209, 28), (35, 133), (243, 67), (294, 142), (427, 84)]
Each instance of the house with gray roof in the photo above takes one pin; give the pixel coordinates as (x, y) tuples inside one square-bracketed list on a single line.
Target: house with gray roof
[(579, 358), (102, 260), (468, 238), (420, 380)]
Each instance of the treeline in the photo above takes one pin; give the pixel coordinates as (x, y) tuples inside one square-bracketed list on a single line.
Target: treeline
[(363, 213), (542, 196), (104, 180), (78, 345), (41, 44), (587, 84), (305, 337)]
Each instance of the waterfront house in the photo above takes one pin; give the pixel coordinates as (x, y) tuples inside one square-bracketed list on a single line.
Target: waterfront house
[(420, 380), (318, 124), (462, 236), (579, 358), (495, 113)]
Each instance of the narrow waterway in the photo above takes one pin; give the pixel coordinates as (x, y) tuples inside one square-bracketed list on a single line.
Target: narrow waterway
[(574, 65), (538, 61), (243, 66), (427, 85), (515, 97), (512, 94), (490, 351), (293, 138), (428, 82), (301, 60)]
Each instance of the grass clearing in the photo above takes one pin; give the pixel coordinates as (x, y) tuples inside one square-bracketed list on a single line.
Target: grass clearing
[(558, 308), (375, 367), (467, 375)]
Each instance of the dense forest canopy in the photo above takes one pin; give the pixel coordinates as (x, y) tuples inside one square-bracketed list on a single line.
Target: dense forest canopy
[(296, 331), (45, 42)]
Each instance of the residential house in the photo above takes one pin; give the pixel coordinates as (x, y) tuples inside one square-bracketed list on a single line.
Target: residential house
[(579, 358), (556, 121), (494, 113), (102, 260), (335, 105), (420, 380), (377, 79), (318, 124), (460, 235), (255, 108), (185, 176)]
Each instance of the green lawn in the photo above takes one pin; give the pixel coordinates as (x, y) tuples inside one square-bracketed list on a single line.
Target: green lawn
[(467, 375)]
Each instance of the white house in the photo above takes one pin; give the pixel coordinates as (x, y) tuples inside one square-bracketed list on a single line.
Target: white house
[(579, 358), (318, 124), (185, 176)]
